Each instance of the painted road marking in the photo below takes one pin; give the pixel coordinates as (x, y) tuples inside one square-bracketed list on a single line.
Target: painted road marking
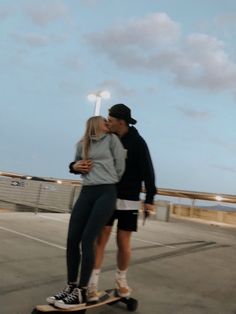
[(32, 238)]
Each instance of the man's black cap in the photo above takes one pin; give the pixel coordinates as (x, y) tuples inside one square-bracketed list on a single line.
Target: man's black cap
[(121, 111)]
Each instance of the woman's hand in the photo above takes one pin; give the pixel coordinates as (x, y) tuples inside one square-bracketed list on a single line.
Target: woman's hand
[(83, 166)]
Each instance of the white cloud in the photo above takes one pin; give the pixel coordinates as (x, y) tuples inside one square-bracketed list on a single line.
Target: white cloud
[(226, 20), (60, 38), (73, 63), (152, 31), (89, 2), (154, 43), (213, 68), (70, 87), (195, 114), (38, 39), (152, 90), (32, 39), (5, 11), (223, 143), (42, 13), (225, 168)]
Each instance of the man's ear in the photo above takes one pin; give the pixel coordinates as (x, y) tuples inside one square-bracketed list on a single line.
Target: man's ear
[(122, 123)]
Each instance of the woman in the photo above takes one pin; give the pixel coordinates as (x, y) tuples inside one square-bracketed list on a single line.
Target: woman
[(96, 203)]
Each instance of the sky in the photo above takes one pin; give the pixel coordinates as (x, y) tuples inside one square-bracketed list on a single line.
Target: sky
[(173, 62)]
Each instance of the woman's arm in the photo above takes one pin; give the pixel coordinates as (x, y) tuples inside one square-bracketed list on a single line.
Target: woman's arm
[(73, 166)]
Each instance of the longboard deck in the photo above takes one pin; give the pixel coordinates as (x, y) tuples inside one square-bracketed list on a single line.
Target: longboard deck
[(106, 298)]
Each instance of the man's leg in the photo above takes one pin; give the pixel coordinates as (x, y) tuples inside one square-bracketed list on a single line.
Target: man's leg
[(124, 249), (100, 246), (99, 251), (101, 243), (123, 260), (127, 223)]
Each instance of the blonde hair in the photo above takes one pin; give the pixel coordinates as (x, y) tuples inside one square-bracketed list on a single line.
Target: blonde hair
[(92, 131)]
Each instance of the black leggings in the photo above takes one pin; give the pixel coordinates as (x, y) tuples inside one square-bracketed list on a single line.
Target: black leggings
[(91, 212)]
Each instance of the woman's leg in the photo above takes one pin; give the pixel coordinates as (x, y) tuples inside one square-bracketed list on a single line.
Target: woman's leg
[(101, 211), (78, 220)]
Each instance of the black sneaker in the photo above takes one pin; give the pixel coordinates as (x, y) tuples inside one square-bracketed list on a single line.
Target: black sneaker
[(75, 299), (62, 294)]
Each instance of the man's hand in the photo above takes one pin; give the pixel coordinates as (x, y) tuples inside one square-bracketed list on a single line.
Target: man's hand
[(83, 166), (148, 209)]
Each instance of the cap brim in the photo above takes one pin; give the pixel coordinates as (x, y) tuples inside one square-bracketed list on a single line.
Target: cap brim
[(132, 121)]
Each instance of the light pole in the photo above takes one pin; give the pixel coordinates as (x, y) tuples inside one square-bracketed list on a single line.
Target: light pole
[(97, 98)]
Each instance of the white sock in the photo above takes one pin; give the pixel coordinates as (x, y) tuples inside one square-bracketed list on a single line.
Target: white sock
[(121, 273), (93, 281)]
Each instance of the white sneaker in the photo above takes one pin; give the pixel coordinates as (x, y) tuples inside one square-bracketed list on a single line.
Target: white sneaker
[(75, 299), (122, 288), (92, 294), (61, 294)]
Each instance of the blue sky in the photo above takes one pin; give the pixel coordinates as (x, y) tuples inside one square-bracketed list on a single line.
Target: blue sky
[(172, 62)]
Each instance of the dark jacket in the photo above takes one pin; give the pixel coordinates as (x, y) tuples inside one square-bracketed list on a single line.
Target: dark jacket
[(138, 169)]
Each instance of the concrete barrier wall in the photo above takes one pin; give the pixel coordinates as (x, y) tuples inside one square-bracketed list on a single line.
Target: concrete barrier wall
[(205, 214), (24, 195), (17, 194)]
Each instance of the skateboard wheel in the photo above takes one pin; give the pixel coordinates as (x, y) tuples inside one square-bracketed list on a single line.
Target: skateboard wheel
[(132, 305), (35, 311)]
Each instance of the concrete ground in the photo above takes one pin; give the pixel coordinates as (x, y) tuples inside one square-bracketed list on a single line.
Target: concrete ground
[(180, 266)]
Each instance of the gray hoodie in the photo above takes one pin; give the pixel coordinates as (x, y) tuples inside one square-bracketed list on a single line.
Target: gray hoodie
[(108, 156)]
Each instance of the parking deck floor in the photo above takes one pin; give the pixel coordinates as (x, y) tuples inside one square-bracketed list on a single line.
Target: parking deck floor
[(180, 266)]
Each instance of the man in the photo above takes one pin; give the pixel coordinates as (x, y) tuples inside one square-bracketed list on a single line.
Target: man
[(139, 169)]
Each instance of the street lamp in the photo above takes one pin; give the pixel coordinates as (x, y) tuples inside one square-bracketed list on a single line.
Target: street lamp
[(97, 98), (219, 198)]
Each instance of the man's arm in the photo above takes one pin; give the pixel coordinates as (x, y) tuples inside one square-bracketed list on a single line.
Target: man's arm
[(148, 174)]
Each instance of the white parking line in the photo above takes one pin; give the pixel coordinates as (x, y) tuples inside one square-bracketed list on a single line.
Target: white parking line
[(113, 233), (52, 218), (150, 242), (63, 248), (156, 243), (32, 238)]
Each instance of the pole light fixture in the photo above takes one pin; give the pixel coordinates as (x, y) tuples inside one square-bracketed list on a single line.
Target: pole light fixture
[(97, 98)]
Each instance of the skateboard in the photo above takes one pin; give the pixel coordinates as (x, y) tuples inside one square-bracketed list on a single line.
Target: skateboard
[(108, 297)]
